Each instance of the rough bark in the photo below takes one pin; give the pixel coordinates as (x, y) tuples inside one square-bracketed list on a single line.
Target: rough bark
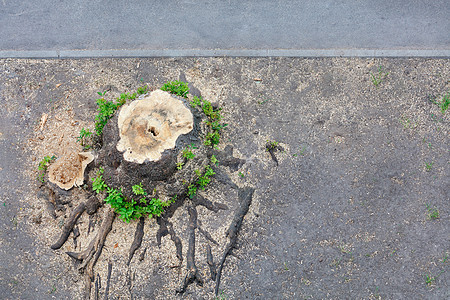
[(87, 287), (245, 199), (69, 226), (176, 240), (192, 273), (215, 207), (76, 234), (92, 204), (210, 261), (96, 286), (138, 235), (108, 281), (91, 254)]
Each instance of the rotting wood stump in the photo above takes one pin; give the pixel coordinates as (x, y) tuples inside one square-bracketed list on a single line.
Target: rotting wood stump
[(145, 140), (157, 149)]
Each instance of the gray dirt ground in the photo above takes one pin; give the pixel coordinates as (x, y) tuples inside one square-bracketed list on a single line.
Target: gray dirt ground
[(344, 214)]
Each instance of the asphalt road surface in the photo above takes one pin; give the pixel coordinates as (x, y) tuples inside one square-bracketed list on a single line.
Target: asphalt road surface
[(81, 28)]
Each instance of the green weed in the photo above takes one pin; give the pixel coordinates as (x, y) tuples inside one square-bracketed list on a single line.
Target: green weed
[(138, 189), (376, 294), (180, 165), (263, 101), (271, 145), (43, 165), (214, 160), (221, 296), (187, 153), (212, 139), (433, 213), (202, 181), (126, 96), (106, 110), (85, 134), (192, 190), (52, 290), (98, 185), (213, 120), (130, 209), (435, 119), (408, 123), (302, 152), (428, 166), (177, 87), (196, 102), (443, 104), (379, 77), (142, 90), (430, 279)]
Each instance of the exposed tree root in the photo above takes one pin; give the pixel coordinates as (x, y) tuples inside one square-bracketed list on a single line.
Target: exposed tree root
[(223, 177), (93, 251), (162, 230), (50, 207), (87, 287), (69, 226), (206, 233), (129, 282), (192, 272), (84, 254), (92, 204), (108, 281), (272, 154), (165, 228), (245, 199), (213, 206), (56, 194), (176, 240), (97, 286), (91, 224), (142, 255), (227, 159), (138, 235), (272, 149), (76, 234), (210, 261)]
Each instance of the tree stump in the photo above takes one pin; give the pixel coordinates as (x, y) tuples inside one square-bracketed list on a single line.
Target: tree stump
[(162, 145), (143, 142)]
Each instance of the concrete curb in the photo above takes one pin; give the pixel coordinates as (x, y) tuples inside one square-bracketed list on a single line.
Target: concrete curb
[(62, 54)]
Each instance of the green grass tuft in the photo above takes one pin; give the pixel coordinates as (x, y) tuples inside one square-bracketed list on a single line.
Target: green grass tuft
[(177, 87)]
